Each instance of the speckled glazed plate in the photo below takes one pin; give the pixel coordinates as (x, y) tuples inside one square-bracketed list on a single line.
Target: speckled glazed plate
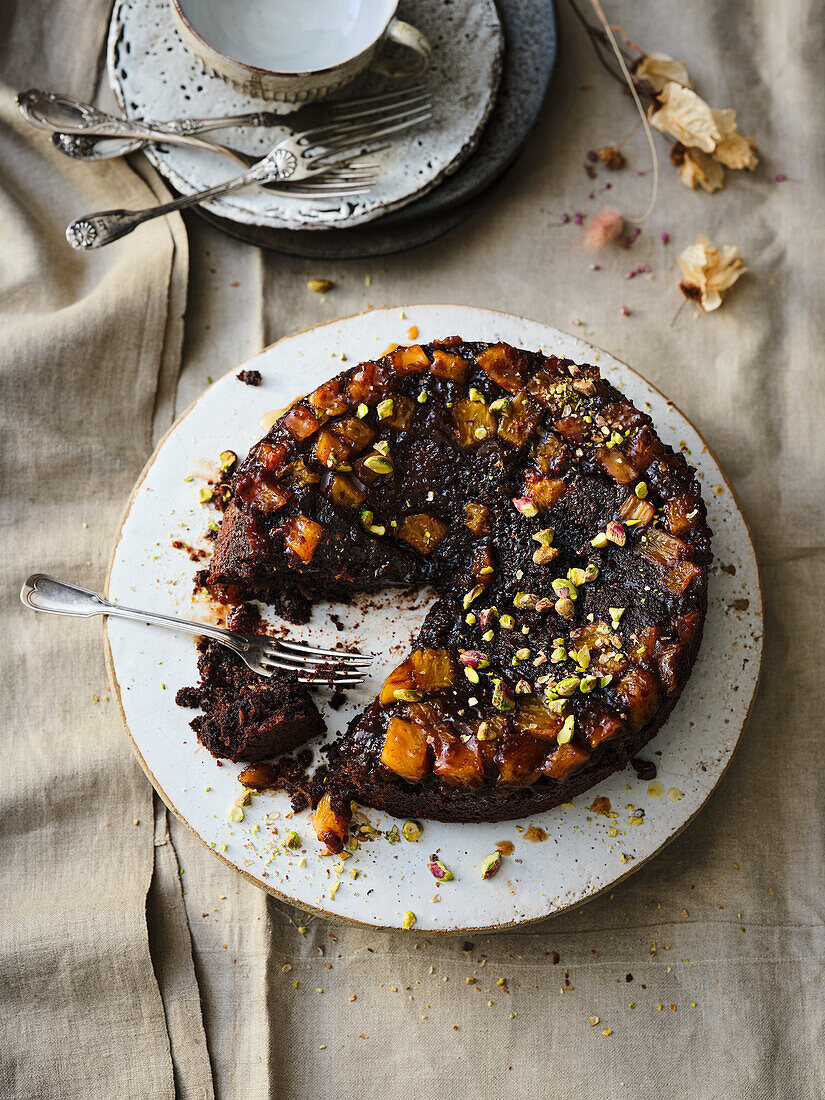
[(558, 858), (153, 76)]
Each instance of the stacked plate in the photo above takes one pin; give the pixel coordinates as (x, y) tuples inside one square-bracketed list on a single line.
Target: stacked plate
[(488, 77)]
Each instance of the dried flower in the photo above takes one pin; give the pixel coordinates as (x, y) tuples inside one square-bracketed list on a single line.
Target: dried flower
[(697, 168), (708, 272), (603, 228), (734, 150), (658, 70), (612, 158), (682, 113)]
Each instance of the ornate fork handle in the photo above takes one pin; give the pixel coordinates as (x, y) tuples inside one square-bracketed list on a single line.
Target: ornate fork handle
[(188, 127), (44, 593), (97, 230)]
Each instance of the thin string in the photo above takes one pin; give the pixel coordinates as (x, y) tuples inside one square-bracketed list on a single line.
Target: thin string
[(597, 8)]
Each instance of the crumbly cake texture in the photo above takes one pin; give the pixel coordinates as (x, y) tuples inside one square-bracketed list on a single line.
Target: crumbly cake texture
[(246, 716), (568, 544)]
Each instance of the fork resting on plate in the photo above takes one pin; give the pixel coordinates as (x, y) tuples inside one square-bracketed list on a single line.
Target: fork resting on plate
[(266, 656)]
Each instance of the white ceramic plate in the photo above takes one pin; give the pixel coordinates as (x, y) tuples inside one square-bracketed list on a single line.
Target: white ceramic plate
[(153, 76), (580, 857)]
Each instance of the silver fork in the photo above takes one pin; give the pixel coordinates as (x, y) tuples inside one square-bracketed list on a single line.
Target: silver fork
[(305, 156), (82, 131), (263, 655)]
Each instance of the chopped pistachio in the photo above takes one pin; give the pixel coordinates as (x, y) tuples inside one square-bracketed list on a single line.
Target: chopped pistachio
[(501, 700), (476, 395), (227, 459), (470, 619), (526, 506), (472, 595), (471, 675), (205, 495), (565, 588), (567, 729), (439, 871), (576, 576), (383, 447), (488, 635), (616, 614), (408, 920), (500, 404), (490, 864), (362, 411), (392, 835), (545, 537), (385, 408), (320, 286), (567, 686), (641, 490), (506, 622), (591, 572), (411, 830), (422, 398), (235, 813), (408, 695), (378, 465), (292, 840), (366, 517), (599, 541), (614, 532), (564, 607), (523, 654)]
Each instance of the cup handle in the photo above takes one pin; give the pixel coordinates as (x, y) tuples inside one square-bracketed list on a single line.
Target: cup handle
[(404, 34)]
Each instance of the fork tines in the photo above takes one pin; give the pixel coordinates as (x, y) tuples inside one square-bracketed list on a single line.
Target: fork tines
[(317, 666)]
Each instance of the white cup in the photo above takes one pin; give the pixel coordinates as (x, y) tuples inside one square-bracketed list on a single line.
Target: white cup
[(296, 50)]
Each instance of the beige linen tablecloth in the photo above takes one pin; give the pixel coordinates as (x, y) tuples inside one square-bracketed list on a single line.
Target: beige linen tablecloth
[(133, 963)]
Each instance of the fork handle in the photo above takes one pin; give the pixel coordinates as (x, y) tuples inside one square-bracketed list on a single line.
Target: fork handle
[(97, 230), (44, 593)]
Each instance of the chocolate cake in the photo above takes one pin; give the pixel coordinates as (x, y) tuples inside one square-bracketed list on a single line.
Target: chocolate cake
[(568, 544), (246, 716)]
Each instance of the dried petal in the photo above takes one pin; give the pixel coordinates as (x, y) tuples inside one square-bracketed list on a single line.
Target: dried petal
[(658, 70), (682, 113), (708, 272), (734, 150), (603, 228), (697, 169)]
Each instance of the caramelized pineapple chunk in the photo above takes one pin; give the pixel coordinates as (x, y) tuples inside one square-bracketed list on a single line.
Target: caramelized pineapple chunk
[(298, 474), (501, 363), (405, 750), (330, 825), (344, 491), (574, 429), (614, 463), (457, 763), (423, 670), (474, 422), (544, 491), (329, 450), (422, 532), (669, 663), (301, 536), (677, 579), (353, 431), (268, 498), (518, 420), (600, 725), (637, 513), (687, 625), (533, 716), (680, 513), (621, 415), (403, 411), (644, 643), (661, 549), (447, 365), (641, 448), (270, 456), (408, 360), (300, 422), (477, 518), (551, 455), (639, 693), (481, 565), (520, 758), (328, 400), (364, 385), (594, 635), (566, 760)]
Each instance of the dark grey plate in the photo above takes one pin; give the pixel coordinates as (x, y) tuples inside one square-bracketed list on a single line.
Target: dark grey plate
[(530, 47)]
